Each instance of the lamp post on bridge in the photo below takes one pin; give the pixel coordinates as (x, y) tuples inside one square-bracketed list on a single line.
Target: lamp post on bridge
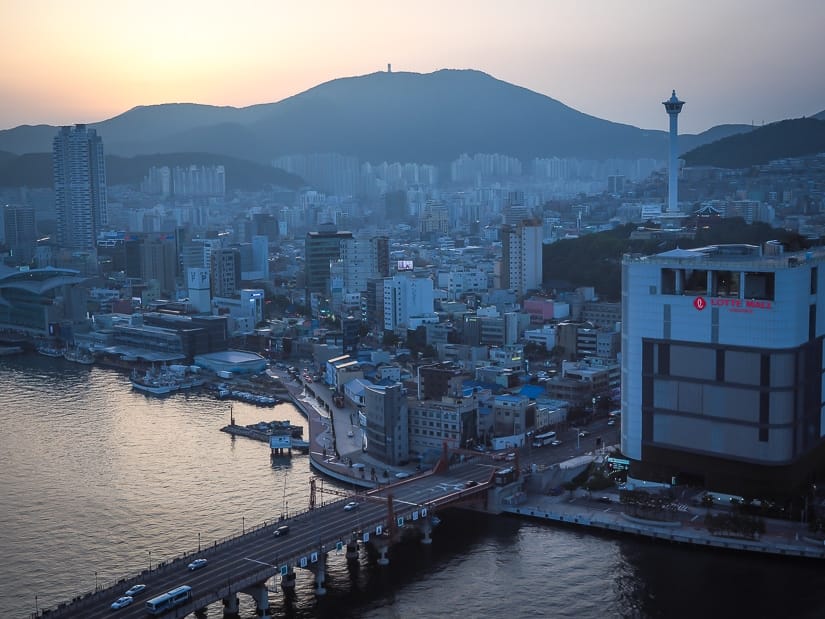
[(95, 581), (199, 541), (36, 610), (150, 560), (243, 525)]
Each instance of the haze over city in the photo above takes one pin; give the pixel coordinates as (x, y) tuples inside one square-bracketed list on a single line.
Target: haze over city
[(733, 61)]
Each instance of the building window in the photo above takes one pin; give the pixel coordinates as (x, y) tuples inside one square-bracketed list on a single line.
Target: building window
[(725, 283), (668, 281), (759, 286), (696, 282)]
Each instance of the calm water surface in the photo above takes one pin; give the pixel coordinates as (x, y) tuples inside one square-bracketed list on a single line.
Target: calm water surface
[(96, 480)]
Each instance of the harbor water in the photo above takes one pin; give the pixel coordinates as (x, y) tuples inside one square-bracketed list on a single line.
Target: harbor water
[(98, 480)]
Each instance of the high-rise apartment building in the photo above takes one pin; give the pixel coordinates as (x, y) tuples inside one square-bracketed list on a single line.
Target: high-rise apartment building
[(19, 232), (79, 187), (363, 259), (521, 268), (225, 272)]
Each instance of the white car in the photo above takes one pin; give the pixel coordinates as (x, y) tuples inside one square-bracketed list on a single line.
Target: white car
[(350, 434), (556, 443), (197, 564), (121, 602), (133, 591), (350, 506)]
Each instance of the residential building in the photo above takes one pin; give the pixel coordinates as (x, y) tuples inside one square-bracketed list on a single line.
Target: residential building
[(521, 258), (79, 187), (225, 269)]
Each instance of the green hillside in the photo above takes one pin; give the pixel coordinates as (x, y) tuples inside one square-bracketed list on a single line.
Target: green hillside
[(596, 259), (787, 138)]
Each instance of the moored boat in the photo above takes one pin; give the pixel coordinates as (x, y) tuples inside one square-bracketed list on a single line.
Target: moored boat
[(79, 355)]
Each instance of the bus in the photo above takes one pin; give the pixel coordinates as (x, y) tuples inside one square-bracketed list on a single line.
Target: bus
[(540, 440), (170, 599)]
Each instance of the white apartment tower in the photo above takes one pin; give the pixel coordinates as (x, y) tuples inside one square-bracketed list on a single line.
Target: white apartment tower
[(521, 268), (79, 187)]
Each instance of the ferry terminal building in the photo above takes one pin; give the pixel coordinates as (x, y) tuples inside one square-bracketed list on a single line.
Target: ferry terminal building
[(722, 374)]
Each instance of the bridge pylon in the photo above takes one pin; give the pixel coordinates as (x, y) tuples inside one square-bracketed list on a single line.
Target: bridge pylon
[(230, 606)]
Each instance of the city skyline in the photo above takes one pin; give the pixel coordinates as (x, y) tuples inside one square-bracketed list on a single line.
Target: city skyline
[(732, 61)]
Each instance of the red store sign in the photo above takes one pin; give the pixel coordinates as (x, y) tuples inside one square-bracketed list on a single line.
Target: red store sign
[(735, 305)]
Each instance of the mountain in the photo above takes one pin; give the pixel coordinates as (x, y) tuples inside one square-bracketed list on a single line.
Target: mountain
[(35, 170), (787, 138), (432, 118)]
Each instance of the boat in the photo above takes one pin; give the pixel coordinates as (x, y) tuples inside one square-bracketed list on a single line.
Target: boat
[(79, 355), (50, 350), (154, 382)]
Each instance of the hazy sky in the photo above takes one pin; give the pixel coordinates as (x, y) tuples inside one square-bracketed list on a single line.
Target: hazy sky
[(733, 61)]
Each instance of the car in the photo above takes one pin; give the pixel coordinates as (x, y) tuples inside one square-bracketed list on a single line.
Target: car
[(350, 506), (281, 530), (510, 457), (499, 457), (402, 474), (584, 433), (605, 499), (556, 443), (350, 434), (471, 483), (122, 601), (611, 422), (197, 564), (133, 591)]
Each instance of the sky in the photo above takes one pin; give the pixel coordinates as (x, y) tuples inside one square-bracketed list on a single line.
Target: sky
[(732, 61)]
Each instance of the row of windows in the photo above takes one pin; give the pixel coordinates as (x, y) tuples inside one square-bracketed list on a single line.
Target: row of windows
[(756, 285)]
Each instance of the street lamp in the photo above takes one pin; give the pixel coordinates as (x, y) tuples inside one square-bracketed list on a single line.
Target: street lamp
[(243, 525), (95, 581), (36, 610), (199, 541), (150, 560)]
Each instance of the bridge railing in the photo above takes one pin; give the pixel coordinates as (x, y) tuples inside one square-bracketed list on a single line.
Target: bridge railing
[(89, 598)]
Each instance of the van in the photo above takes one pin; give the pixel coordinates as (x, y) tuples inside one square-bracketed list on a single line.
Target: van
[(281, 530)]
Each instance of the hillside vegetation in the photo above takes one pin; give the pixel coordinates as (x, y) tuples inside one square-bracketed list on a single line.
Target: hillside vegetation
[(596, 259), (780, 140)]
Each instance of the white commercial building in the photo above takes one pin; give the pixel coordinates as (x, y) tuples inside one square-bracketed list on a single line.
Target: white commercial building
[(722, 368), (404, 297)]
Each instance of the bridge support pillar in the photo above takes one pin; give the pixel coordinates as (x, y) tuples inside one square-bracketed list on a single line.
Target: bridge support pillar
[(382, 548), (288, 580), (426, 529), (352, 551), (320, 571), (260, 594), (230, 606)]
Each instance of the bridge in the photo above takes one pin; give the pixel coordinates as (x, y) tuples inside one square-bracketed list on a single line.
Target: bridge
[(244, 564)]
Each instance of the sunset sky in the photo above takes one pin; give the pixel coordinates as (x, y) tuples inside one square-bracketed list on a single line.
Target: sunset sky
[(733, 61)]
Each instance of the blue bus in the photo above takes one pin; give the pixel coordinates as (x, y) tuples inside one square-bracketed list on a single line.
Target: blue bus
[(170, 599)]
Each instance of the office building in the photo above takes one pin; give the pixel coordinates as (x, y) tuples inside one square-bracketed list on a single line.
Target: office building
[(321, 247)]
